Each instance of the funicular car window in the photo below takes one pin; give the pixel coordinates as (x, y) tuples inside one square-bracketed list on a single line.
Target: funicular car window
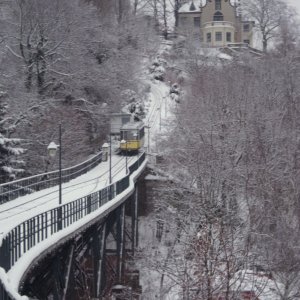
[(129, 135)]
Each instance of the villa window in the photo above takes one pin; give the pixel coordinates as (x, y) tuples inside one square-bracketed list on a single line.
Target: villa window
[(197, 22), (246, 27), (183, 21), (218, 5), (228, 36), (218, 16), (208, 37), (218, 36)]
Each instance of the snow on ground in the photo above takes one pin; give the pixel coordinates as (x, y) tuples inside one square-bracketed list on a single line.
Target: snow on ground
[(160, 113), (159, 119), (161, 108), (151, 248)]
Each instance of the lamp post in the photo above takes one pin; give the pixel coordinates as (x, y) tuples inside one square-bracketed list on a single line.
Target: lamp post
[(159, 109), (148, 137), (124, 142), (166, 106), (105, 149), (110, 158), (52, 149)]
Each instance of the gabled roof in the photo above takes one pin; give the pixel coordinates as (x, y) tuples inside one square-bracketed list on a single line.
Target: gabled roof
[(192, 6)]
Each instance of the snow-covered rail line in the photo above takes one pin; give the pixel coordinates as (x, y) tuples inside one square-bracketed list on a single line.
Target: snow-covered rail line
[(33, 204), (12, 190)]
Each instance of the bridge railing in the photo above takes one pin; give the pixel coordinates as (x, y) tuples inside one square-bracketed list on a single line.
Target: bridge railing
[(14, 189), (4, 295), (34, 230)]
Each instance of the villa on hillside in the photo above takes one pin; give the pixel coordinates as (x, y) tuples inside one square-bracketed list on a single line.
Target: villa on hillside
[(218, 23)]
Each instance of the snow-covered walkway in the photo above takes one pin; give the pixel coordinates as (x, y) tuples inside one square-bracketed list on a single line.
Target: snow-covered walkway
[(16, 211)]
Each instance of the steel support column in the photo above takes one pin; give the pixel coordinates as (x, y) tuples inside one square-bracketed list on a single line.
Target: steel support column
[(92, 262), (58, 279), (99, 242), (120, 240), (134, 220), (68, 272)]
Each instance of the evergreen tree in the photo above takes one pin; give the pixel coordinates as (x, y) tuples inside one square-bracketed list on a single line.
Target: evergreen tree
[(8, 150)]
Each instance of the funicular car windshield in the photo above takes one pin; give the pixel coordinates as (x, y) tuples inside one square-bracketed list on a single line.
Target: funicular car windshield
[(129, 135)]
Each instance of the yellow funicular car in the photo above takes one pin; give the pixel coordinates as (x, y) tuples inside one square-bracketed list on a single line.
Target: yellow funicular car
[(132, 136)]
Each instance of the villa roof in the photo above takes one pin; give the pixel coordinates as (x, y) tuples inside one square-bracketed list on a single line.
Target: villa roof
[(192, 6)]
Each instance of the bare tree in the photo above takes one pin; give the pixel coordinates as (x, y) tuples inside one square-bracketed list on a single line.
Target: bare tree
[(287, 38), (236, 145), (175, 4), (38, 39), (267, 14), (165, 13), (73, 57)]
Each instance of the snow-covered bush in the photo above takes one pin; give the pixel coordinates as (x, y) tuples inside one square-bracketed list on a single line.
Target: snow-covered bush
[(175, 92), (174, 89), (157, 68), (159, 73), (132, 103), (175, 97)]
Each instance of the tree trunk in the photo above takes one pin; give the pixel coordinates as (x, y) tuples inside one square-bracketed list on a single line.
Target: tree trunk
[(28, 81), (165, 31), (135, 4), (155, 14), (120, 11), (265, 44), (176, 9)]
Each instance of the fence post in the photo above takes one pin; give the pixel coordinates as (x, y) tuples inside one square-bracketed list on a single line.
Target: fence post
[(59, 218), (88, 204)]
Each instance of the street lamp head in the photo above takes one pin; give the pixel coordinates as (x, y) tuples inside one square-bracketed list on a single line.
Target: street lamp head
[(105, 146), (52, 148)]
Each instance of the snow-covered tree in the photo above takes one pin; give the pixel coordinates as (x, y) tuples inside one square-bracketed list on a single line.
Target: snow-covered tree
[(267, 15), (75, 59), (287, 38), (236, 145), (9, 152)]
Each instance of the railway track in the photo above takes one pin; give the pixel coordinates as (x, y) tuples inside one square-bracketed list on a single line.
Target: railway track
[(16, 211)]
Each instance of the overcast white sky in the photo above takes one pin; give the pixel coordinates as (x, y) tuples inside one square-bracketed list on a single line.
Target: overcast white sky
[(295, 3)]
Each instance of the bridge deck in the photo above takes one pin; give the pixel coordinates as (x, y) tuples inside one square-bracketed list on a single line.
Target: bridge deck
[(23, 208), (15, 212)]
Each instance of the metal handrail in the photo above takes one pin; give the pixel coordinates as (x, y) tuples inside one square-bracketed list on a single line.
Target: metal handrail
[(4, 294), (17, 188), (34, 230)]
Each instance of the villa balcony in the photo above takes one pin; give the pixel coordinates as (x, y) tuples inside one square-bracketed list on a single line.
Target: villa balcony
[(219, 24)]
